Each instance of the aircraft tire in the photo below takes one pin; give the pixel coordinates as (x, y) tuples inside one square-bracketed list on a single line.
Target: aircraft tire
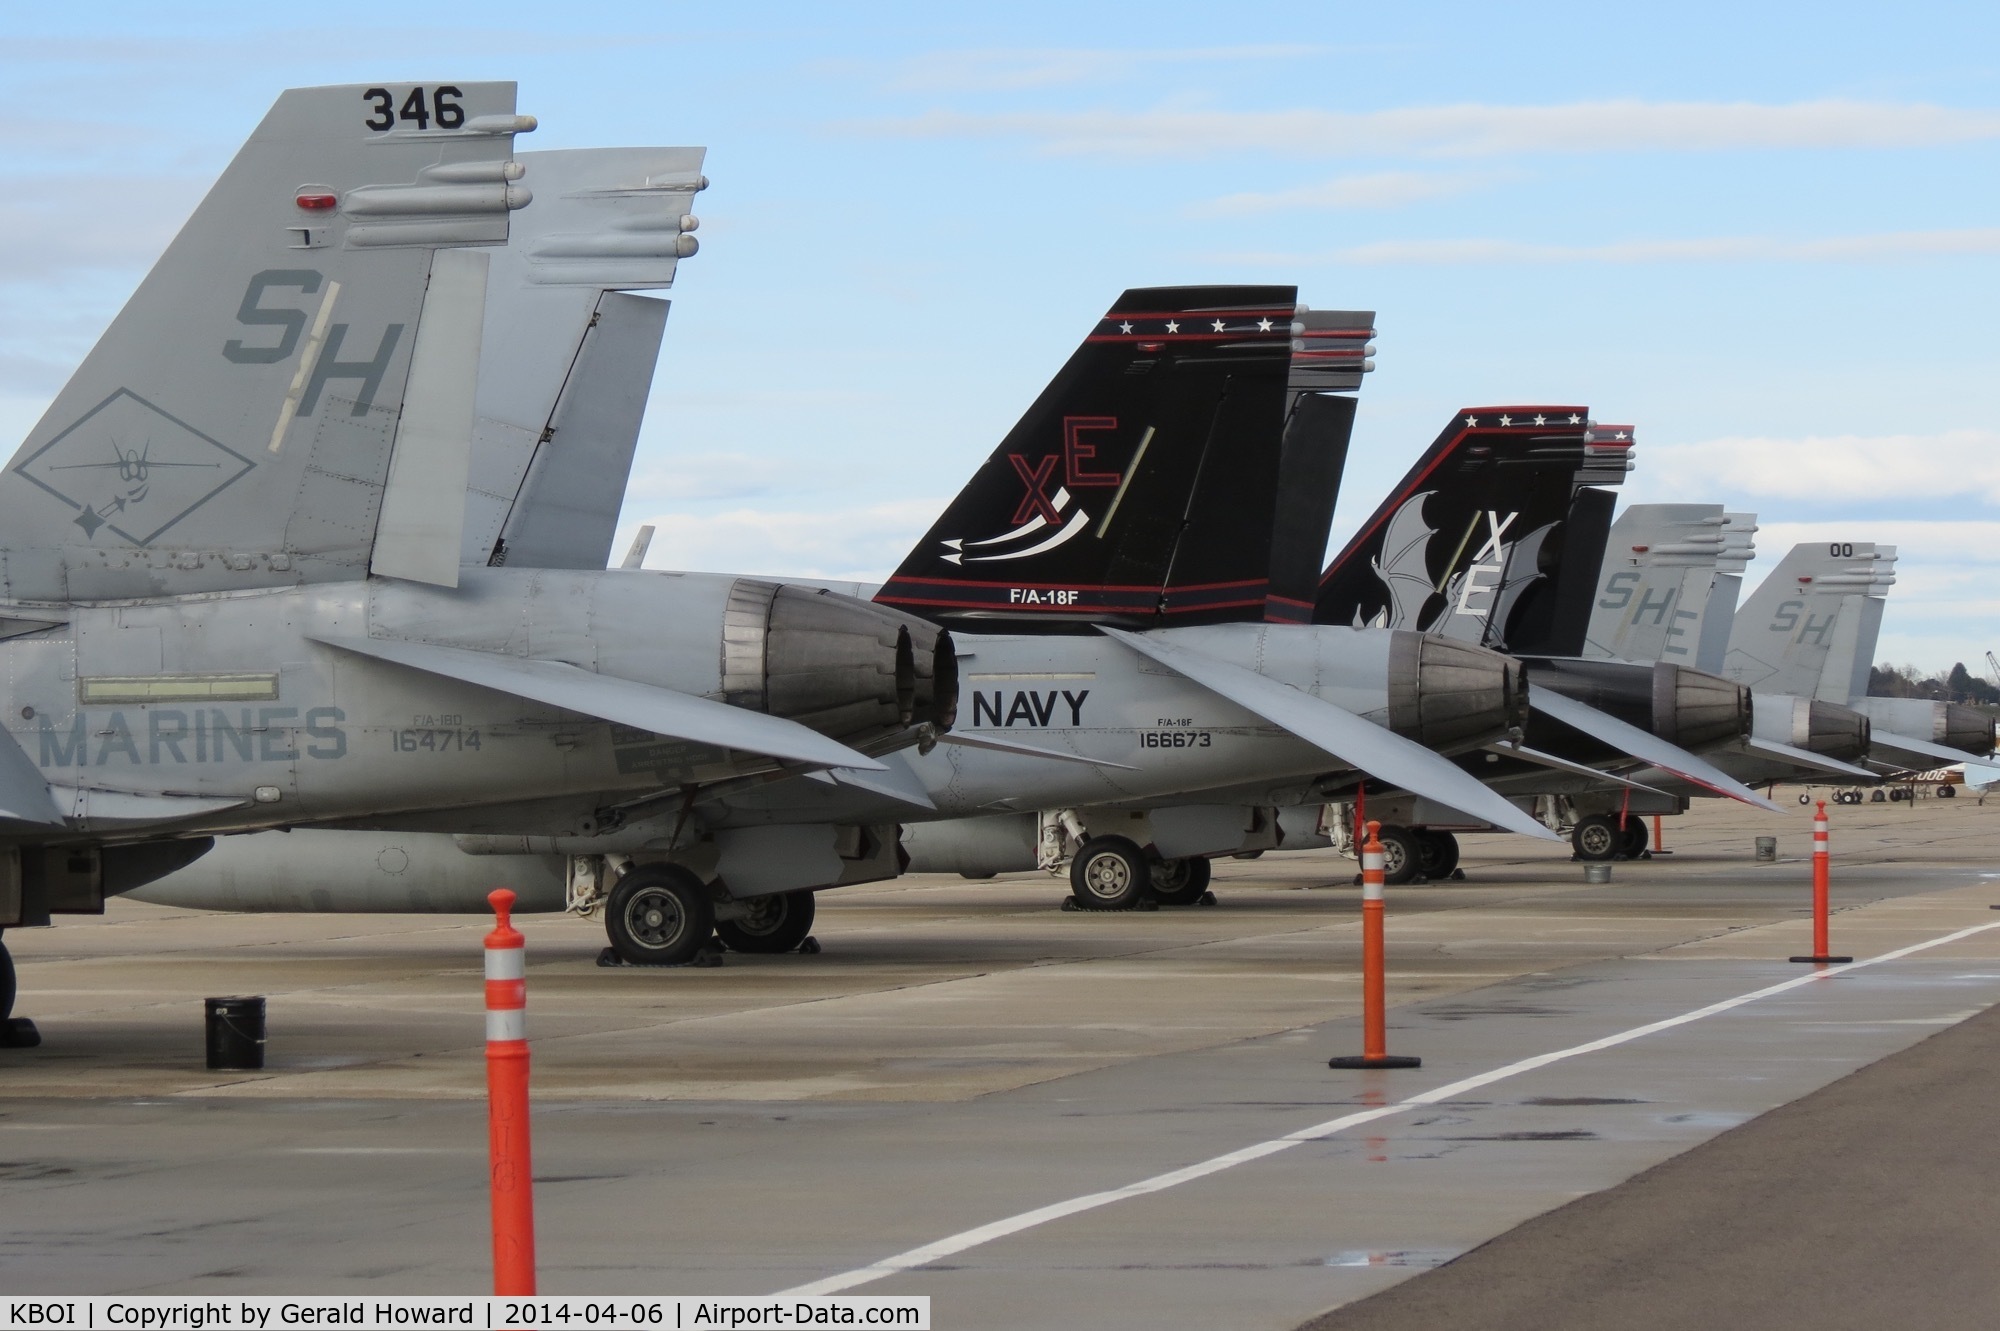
[(659, 915), (1633, 837), (1109, 873), (777, 923), (1947, 793), (1180, 882), (6, 984), (1596, 837), (1437, 853), (1402, 857)]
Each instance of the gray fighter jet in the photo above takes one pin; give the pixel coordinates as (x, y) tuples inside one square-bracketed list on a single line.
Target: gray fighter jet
[(231, 594), (1810, 629), (1090, 746)]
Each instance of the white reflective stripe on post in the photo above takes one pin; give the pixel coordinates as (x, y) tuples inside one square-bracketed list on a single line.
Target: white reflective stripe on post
[(506, 963), (506, 1024), (1371, 861), (1371, 889)]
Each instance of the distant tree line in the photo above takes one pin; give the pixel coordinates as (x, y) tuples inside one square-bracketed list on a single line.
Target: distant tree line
[(1906, 681)]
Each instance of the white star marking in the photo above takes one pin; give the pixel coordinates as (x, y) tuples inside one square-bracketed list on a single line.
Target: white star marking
[(1217, 325), (1506, 420), (1619, 435), (1263, 325), (1541, 420), (1125, 328), (1575, 419), (1173, 326), (1471, 422)]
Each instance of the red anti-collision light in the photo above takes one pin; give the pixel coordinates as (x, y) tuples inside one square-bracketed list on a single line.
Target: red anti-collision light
[(317, 203)]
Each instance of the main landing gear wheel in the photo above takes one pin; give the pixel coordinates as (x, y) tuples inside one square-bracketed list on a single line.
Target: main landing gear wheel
[(1596, 837), (1634, 838), (1181, 882), (1402, 854), (1437, 854), (659, 915), (776, 923), (15, 1032), (1109, 873)]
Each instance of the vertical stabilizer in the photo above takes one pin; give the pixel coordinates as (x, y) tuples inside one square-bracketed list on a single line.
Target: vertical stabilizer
[(1493, 536), (567, 365), (234, 425), (1098, 505), (1654, 587), (1787, 637), (1718, 616), (1331, 351)]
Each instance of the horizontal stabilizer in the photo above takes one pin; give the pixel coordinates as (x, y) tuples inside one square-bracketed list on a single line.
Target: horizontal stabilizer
[(959, 737), (1643, 744), (623, 701), (1540, 759), (1807, 758), (1887, 746), (892, 782), (1360, 743), (24, 795)]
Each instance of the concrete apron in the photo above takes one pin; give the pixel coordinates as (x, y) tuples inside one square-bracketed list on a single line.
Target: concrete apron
[(703, 1197)]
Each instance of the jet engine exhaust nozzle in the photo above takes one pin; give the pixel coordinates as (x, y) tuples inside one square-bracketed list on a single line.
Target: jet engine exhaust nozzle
[(852, 670), (1689, 708), (1446, 694)]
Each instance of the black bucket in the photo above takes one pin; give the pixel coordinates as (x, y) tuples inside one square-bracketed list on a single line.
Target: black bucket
[(235, 1034)]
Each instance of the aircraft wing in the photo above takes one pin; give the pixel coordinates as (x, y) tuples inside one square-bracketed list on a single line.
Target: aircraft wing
[(1360, 743), (1808, 759), (1550, 760), (1891, 747), (626, 702), (892, 782), (1643, 744)]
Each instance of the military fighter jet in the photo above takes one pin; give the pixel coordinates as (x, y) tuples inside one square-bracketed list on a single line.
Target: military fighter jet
[(257, 617), (1077, 738), (1810, 629)]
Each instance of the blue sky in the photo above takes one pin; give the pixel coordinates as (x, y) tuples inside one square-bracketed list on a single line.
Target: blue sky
[(1765, 235)]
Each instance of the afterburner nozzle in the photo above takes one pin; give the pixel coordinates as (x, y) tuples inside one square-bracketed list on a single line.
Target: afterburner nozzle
[(1689, 708), (850, 669), (1448, 695)]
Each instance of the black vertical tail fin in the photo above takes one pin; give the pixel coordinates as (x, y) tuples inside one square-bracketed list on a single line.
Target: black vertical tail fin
[(1495, 535), (1331, 351), (1181, 468)]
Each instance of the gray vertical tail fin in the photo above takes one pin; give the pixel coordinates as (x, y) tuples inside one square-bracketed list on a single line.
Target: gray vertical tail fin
[(1653, 587), (234, 425), (568, 359), (1805, 629), (1718, 616)]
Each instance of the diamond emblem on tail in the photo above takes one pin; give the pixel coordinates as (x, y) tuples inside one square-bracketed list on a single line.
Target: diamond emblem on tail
[(130, 468)]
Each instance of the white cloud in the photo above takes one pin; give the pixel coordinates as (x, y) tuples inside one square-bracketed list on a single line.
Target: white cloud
[(1470, 130), (1003, 70), (1829, 468), (1375, 189), (862, 543)]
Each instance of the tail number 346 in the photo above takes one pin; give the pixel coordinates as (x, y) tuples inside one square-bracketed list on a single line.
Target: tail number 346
[(438, 107)]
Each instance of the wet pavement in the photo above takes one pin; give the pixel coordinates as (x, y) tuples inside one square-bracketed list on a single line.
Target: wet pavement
[(962, 1056)]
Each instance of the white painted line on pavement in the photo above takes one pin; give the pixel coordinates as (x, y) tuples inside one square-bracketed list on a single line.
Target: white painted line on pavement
[(1000, 1229)]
